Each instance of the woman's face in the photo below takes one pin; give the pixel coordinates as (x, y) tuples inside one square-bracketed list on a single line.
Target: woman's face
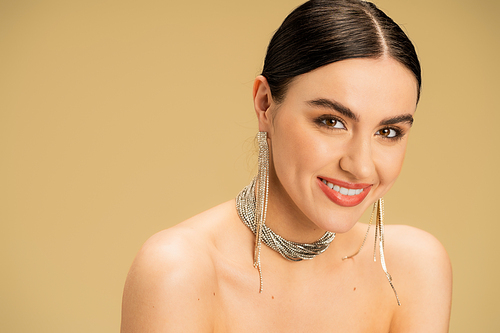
[(344, 125)]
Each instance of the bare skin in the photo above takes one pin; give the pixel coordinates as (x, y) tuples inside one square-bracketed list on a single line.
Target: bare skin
[(199, 277)]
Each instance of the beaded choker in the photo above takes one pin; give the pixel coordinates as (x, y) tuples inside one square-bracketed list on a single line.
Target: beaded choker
[(246, 207)]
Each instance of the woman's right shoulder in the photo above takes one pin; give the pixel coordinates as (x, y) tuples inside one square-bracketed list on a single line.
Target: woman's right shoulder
[(172, 281), (185, 248), (179, 249)]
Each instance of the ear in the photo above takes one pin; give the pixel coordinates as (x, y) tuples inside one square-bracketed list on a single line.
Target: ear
[(262, 101)]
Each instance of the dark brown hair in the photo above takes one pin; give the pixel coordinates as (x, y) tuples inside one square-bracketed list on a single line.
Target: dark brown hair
[(321, 32)]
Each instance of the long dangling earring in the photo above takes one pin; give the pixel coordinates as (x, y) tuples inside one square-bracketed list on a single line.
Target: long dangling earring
[(378, 211), (261, 198), (251, 205)]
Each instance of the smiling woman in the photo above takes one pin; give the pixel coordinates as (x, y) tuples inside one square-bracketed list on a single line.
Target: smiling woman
[(335, 104), (341, 143)]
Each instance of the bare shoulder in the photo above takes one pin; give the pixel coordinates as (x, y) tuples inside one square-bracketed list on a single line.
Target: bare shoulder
[(416, 243), (172, 281), (422, 272)]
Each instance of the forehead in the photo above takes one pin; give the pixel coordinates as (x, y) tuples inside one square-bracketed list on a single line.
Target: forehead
[(379, 86)]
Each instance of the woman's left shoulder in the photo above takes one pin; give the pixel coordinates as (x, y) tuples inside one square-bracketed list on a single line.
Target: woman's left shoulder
[(421, 269), (417, 254), (410, 241), (416, 247)]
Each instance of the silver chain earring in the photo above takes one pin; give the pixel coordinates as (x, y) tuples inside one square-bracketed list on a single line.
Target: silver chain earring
[(252, 208), (378, 211)]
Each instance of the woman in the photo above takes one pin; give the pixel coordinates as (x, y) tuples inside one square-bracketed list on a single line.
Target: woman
[(335, 104)]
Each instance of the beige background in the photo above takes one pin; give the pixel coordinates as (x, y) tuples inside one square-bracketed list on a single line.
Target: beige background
[(122, 118)]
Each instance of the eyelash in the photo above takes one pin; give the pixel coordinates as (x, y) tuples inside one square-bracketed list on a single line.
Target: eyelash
[(398, 136), (324, 119)]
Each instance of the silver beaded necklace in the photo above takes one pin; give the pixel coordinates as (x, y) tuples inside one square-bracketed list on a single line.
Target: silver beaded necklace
[(246, 207)]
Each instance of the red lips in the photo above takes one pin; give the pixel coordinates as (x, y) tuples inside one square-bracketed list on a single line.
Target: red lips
[(341, 199)]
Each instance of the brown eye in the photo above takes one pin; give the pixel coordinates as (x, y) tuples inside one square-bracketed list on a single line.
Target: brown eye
[(388, 133), (332, 123)]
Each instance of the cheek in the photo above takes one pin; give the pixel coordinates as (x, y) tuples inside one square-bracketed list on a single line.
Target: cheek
[(288, 152), (296, 150), (389, 164)]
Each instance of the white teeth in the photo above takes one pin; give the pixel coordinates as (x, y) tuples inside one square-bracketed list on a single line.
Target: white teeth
[(343, 190)]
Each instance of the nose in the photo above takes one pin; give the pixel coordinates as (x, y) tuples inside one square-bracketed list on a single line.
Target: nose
[(357, 159)]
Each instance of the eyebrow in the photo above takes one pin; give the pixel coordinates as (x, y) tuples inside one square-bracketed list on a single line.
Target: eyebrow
[(405, 118), (329, 104), (344, 110)]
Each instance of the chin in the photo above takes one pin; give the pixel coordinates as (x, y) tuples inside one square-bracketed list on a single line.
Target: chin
[(340, 224)]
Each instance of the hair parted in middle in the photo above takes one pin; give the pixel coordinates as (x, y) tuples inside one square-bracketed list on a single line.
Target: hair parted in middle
[(320, 32)]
